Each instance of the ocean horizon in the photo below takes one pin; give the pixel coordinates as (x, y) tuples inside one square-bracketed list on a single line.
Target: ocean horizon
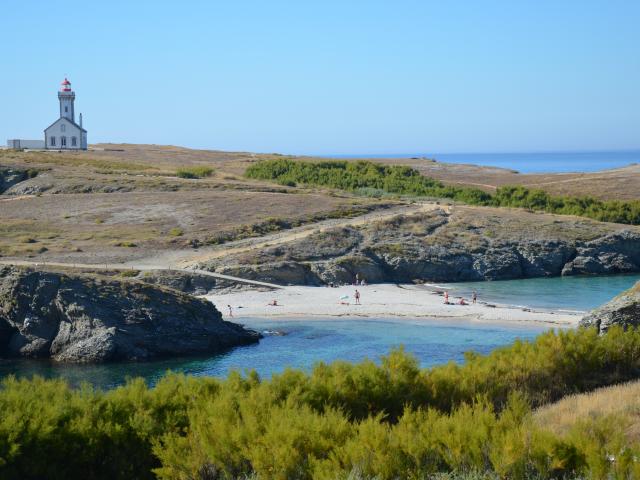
[(535, 162)]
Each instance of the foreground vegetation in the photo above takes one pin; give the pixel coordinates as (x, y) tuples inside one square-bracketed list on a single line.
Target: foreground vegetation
[(391, 420), (377, 179)]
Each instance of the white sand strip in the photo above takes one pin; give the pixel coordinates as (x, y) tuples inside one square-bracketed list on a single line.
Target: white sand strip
[(378, 301)]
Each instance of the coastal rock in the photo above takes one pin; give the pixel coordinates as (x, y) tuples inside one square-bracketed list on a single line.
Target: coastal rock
[(544, 258), (11, 176), (281, 273), (186, 282), (615, 253), (623, 310), (83, 318), (468, 245)]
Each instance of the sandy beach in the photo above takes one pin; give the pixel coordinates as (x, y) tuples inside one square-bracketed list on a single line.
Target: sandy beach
[(378, 301)]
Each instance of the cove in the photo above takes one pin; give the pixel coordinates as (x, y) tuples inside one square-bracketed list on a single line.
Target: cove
[(306, 342)]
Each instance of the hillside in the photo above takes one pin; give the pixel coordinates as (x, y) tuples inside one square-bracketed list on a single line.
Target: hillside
[(126, 204)]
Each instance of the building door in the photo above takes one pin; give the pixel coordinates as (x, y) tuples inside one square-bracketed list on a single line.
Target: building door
[(63, 142)]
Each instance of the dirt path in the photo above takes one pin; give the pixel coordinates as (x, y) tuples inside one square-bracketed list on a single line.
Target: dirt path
[(286, 236), (134, 266), (187, 260)]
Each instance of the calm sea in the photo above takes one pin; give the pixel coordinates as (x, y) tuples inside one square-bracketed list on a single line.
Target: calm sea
[(551, 162), (307, 342)]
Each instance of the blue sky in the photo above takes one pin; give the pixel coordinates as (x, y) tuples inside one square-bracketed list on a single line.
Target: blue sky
[(330, 77)]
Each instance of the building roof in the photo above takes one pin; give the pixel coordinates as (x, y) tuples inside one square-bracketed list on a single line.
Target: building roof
[(65, 118)]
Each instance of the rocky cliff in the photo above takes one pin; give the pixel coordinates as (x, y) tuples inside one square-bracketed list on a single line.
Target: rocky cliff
[(622, 310), (84, 318), (466, 244)]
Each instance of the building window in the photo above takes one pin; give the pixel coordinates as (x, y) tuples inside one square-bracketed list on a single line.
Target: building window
[(53, 141), (63, 127), (66, 109), (63, 141), (74, 142)]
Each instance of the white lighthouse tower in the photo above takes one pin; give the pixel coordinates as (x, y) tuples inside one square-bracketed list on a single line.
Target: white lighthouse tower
[(65, 133), (67, 98)]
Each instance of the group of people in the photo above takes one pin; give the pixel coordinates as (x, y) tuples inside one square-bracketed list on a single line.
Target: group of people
[(462, 301)]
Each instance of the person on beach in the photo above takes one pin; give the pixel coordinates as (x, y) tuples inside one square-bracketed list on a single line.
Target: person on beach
[(474, 297), (230, 310), (462, 302), (273, 303), (446, 298), (357, 297)]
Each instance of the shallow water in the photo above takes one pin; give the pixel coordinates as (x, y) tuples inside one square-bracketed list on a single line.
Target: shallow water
[(304, 344), (565, 293), (309, 341)]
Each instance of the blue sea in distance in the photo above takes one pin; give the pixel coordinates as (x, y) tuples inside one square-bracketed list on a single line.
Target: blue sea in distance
[(307, 342), (550, 162)]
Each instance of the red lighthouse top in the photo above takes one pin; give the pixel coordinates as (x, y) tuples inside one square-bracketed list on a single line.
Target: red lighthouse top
[(66, 86)]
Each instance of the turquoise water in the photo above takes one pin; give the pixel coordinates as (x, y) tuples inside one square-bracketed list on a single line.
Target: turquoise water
[(551, 162), (306, 342), (564, 293)]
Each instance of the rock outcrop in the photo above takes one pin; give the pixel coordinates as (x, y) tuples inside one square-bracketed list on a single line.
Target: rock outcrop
[(190, 283), (11, 176), (469, 245), (623, 310), (83, 318)]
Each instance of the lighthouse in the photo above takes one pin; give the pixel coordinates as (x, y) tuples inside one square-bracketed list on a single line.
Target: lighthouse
[(67, 97), (65, 133)]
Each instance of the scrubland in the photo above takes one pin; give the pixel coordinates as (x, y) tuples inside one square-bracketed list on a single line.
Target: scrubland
[(381, 420)]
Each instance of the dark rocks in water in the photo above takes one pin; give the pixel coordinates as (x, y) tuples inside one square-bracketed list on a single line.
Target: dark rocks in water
[(623, 310), (83, 318), (274, 333)]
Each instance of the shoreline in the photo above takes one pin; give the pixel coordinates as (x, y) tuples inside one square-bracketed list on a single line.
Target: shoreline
[(380, 301)]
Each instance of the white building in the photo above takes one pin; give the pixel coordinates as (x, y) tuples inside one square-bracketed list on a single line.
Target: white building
[(19, 144), (65, 133)]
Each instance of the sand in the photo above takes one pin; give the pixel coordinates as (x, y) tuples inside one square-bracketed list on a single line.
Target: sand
[(378, 301)]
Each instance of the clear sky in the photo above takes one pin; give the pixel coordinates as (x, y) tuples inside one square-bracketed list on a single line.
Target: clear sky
[(329, 77)]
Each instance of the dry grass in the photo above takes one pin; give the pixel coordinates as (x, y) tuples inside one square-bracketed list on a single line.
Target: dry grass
[(620, 400), (89, 226), (128, 195), (75, 160)]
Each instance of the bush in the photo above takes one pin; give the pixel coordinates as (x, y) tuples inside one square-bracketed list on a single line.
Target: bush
[(388, 420), (126, 244), (374, 179), (194, 172), (129, 273)]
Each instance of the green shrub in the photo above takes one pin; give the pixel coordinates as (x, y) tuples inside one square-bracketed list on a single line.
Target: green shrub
[(194, 172), (606, 211), (126, 244), (176, 232), (388, 420), (129, 273), (374, 179)]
